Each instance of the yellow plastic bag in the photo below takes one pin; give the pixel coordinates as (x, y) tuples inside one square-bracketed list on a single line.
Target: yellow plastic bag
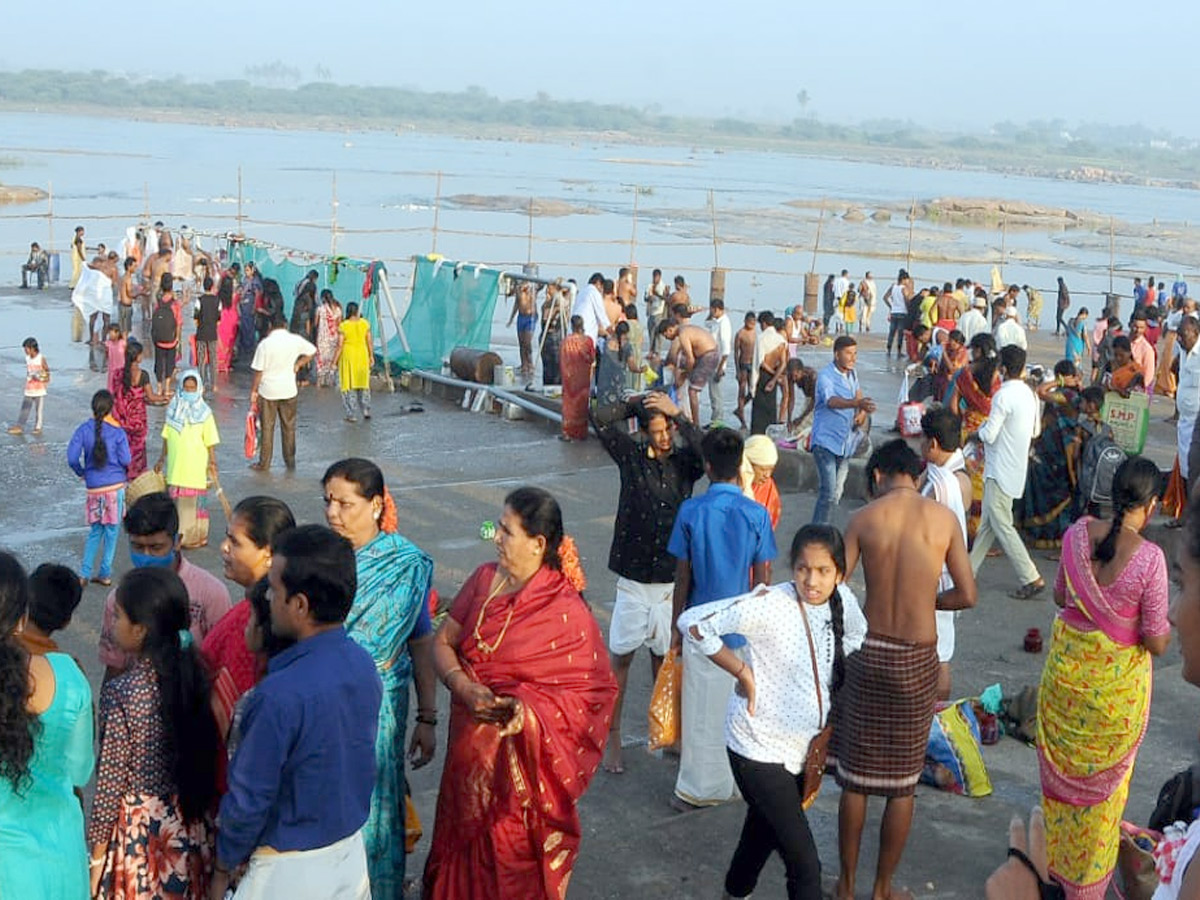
[(664, 703), (412, 825)]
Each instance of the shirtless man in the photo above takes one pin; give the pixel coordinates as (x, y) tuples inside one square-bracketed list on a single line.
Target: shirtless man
[(626, 287), (680, 294), (887, 698), (743, 360), (156, 265), (612, 308), (947, 308), (801, 379), (524, 311), (695, 355), (946, 481), (126, 291)]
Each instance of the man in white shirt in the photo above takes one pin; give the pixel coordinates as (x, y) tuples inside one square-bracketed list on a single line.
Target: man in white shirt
[(722, 332), (1007, 434), (589, 306), (974, 320), (947, 482), (1187, 392), (279, 356), (1009, 330), (897, 298), (841, 285)]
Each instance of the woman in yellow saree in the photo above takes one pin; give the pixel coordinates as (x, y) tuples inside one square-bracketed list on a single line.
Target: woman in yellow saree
[(1094, 699)]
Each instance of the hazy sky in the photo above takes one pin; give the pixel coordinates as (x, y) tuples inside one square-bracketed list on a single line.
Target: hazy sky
[(939, 63)]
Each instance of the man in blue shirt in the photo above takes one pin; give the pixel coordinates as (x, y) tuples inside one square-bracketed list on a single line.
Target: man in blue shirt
[(300, 782), (840, 411), (721, 542)]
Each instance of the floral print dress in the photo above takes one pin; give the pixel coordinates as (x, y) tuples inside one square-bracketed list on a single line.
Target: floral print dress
[(151, 850)]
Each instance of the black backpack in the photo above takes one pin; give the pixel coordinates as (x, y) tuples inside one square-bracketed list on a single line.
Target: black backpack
[(1177, 799), (162, 325), (1101, 457)]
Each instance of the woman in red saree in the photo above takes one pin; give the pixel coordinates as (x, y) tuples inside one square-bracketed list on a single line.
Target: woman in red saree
[(533, 695), (971, 399), (578, 355)]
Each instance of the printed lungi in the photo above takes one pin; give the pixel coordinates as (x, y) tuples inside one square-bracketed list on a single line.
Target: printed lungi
[(882, 716)]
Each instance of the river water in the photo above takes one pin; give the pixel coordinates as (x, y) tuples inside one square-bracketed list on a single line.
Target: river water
[(105, 171)]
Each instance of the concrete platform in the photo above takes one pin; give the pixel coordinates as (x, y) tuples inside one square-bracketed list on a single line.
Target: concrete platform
[(449, 470)]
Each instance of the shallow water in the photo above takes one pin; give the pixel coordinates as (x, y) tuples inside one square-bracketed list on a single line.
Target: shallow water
[(386, 188)]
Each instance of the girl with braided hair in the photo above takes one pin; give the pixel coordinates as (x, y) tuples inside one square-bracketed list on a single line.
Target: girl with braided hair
[(1094, 699), (99, 454), (797, 637)]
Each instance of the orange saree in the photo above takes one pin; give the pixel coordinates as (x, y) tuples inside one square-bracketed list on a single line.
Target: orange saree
[(507, 824)]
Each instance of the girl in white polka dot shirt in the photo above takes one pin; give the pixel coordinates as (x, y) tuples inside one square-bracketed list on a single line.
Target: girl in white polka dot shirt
[(774, 712)]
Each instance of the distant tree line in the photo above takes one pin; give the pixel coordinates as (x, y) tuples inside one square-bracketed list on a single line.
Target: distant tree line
[(267, 91)]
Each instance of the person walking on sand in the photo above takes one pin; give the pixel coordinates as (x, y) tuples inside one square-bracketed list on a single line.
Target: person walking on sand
[(353, 359), (881, 722), (37, 376), (277, 359), (840, 411), (1007, 434)]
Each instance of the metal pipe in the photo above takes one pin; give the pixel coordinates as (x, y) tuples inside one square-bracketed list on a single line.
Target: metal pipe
[(499, 393)]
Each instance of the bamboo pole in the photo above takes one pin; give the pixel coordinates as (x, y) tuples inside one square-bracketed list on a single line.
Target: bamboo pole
[(712, 211), (437, 208), (529, 249), (817, 239), (1003, 241), (1111, 253), (50, 216), (912, 220), (633, 236), (333, 223), (241, 217)]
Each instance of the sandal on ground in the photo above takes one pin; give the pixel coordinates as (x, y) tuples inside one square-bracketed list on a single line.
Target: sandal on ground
[(1047, 890), (1029, 591), (1173, 524), (105, 581)]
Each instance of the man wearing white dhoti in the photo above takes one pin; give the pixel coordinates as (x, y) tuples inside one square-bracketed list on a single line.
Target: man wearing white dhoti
[(722, 543), (947, 482)]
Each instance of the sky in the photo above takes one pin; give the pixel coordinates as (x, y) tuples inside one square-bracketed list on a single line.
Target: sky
[(953, 65)]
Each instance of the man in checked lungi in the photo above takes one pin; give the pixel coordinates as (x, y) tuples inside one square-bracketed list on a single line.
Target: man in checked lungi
[(884, 710)]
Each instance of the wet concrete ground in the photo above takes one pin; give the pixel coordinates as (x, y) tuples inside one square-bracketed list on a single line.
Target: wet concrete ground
[(449, 470)]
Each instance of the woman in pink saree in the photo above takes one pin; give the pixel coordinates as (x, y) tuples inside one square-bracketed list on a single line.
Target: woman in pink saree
[(227, 325), (329, 317)]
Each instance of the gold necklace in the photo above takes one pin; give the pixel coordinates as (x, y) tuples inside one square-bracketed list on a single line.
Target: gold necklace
[(484, 646)]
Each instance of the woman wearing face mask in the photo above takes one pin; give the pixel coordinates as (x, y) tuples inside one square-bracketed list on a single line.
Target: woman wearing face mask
[(189, 451)]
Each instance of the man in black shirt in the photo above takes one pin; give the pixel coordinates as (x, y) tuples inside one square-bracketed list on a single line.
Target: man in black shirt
[(656, 477), (208, 311)]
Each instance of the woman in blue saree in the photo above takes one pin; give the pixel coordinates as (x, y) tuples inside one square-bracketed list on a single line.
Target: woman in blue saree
[(390, 620), (1051, 503)]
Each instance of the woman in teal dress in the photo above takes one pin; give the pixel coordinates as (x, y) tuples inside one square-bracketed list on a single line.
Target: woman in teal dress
[(45, 753), (390, 619)]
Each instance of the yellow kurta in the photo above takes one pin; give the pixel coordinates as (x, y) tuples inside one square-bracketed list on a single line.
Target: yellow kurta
[(354, 368)]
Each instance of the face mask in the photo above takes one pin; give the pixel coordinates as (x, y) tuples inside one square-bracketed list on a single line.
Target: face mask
[(150, 561), (190, 395)]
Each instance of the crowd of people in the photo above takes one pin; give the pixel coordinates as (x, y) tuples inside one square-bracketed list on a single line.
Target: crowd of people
[(261, 747)]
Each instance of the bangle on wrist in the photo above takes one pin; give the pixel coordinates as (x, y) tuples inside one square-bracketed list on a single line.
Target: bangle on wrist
[(423, 719)]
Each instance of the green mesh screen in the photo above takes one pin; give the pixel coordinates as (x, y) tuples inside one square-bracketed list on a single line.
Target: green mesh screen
[(452, 306)]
